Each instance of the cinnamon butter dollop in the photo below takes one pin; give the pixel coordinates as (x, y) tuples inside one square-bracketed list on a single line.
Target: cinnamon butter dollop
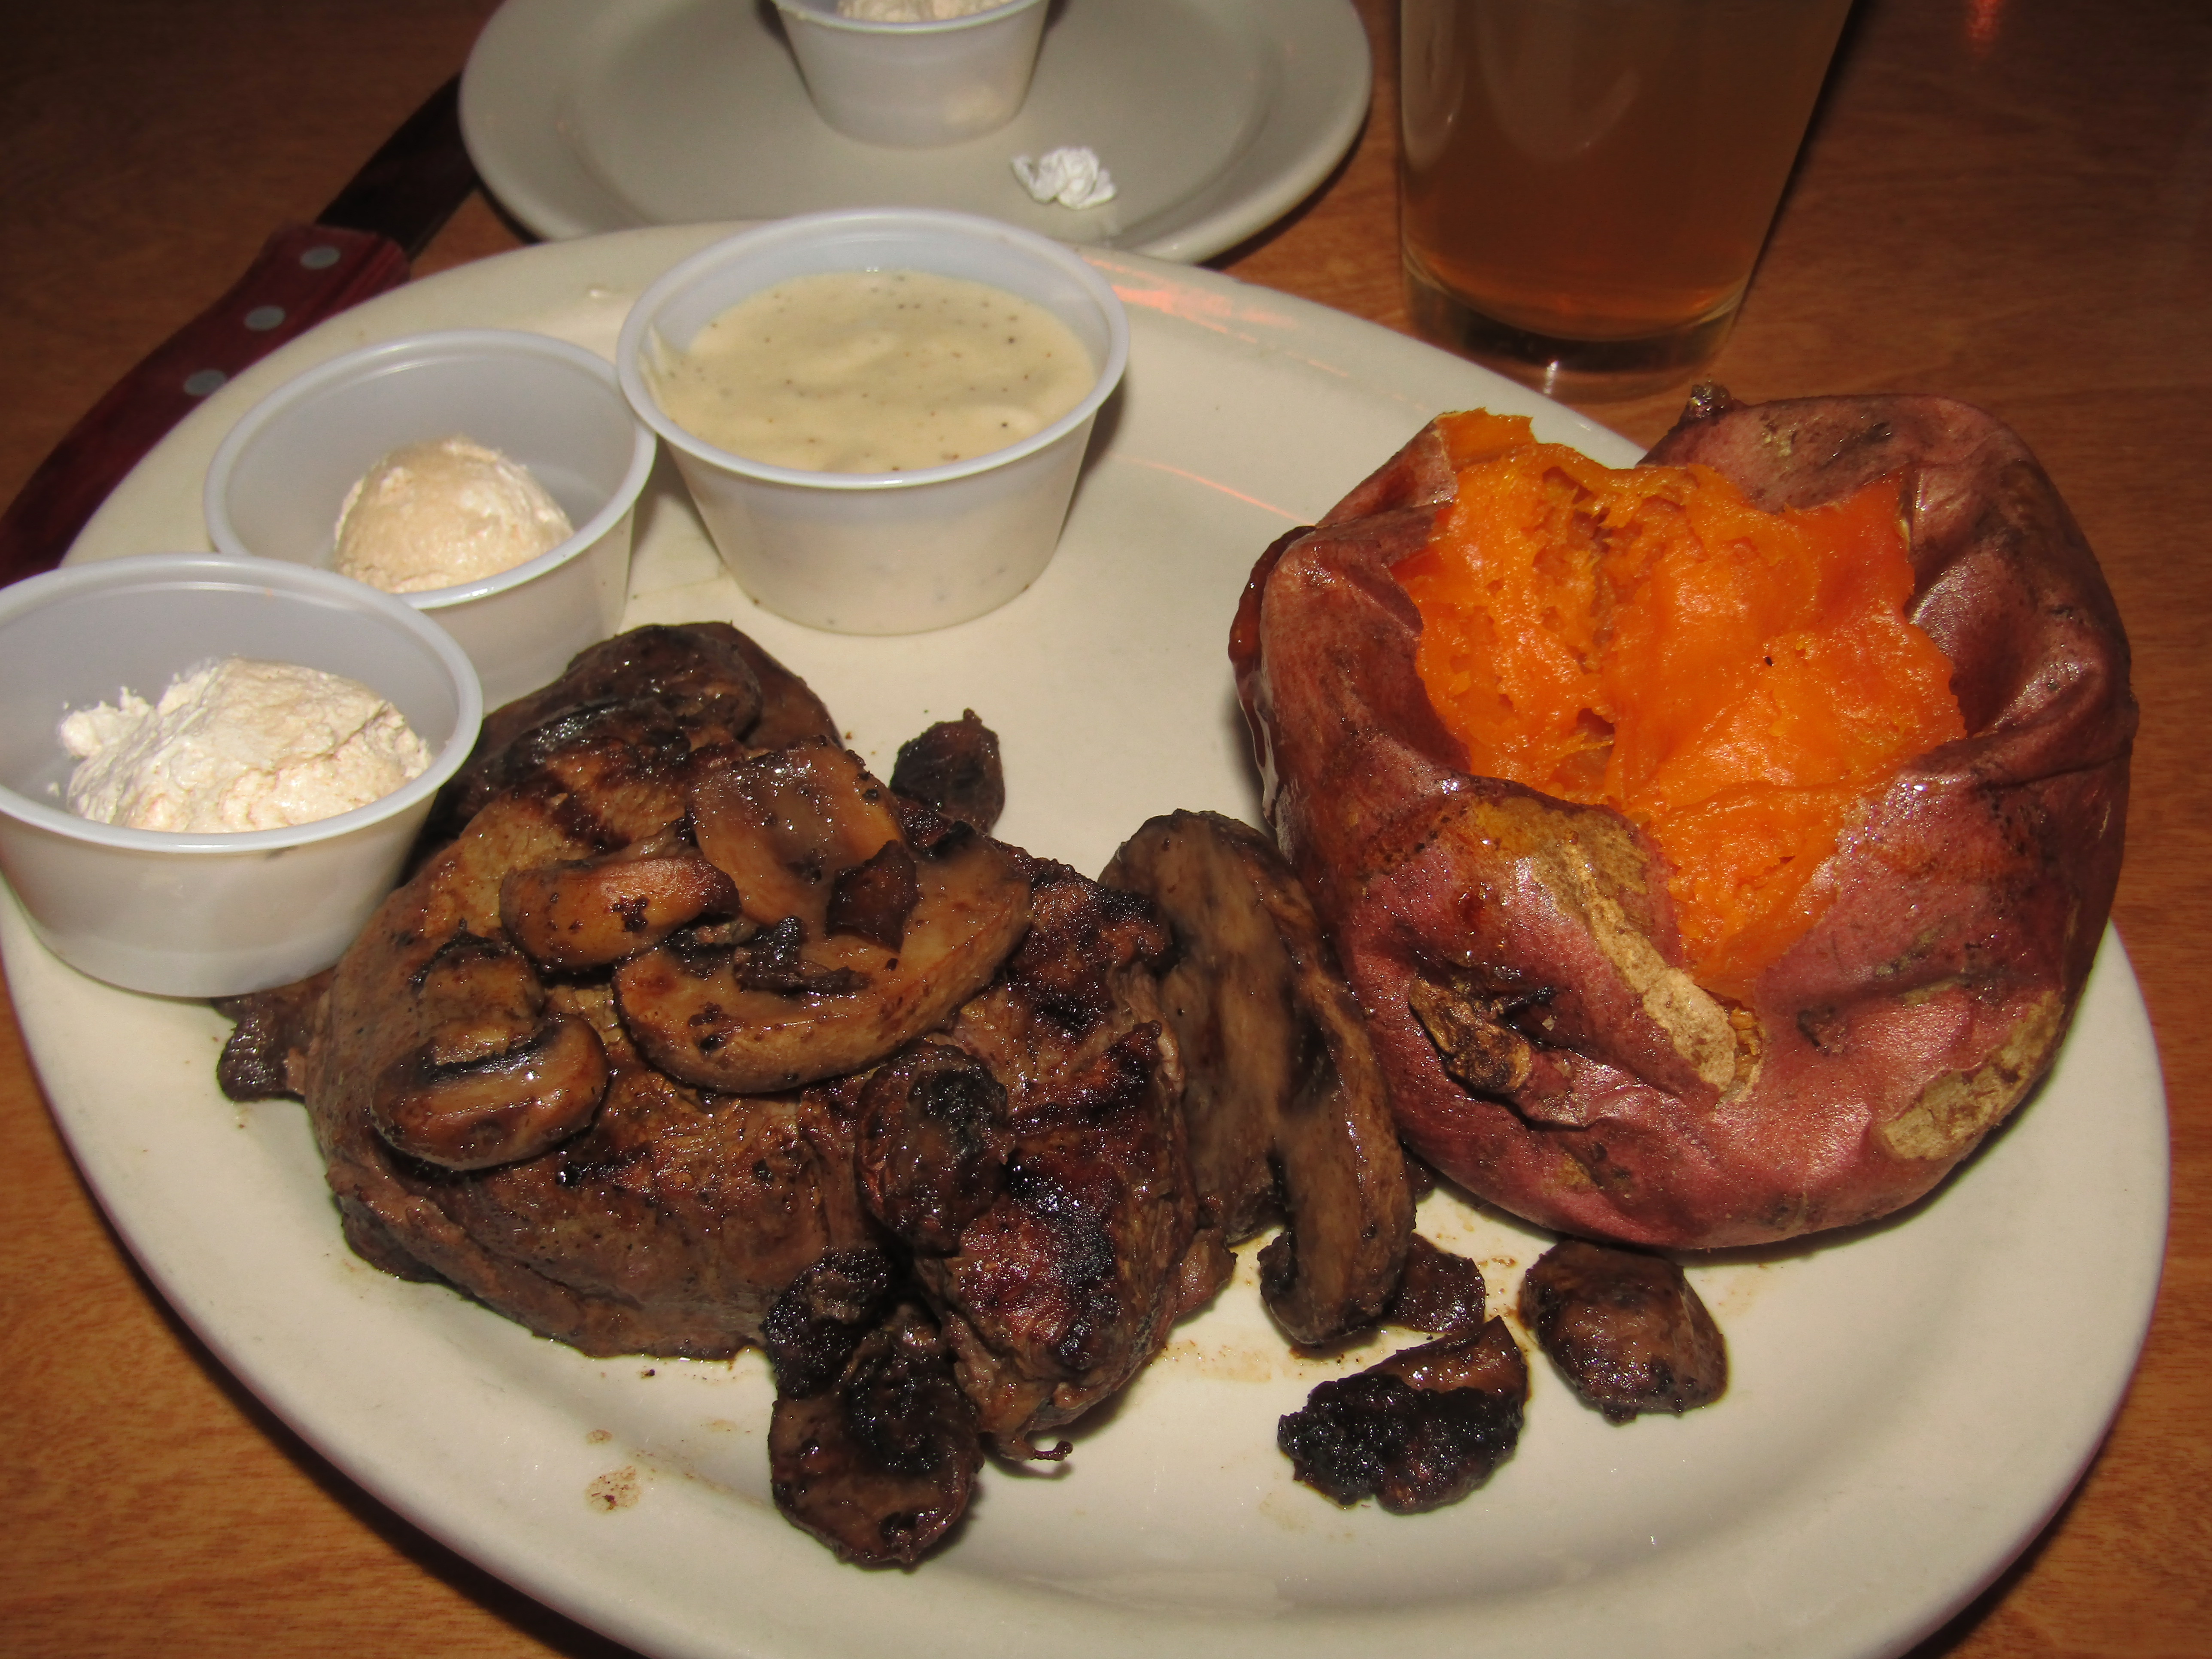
[(238, 745)]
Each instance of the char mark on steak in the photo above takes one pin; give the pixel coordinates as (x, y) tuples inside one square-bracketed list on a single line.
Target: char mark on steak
[(701, 685), (1031, 1157), (934, 1142)]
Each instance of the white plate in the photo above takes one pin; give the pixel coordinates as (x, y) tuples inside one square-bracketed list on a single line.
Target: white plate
[(1907, 1407), (1215, 117)]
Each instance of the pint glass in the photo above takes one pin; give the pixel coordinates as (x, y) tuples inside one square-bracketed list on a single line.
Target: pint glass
[(1585, 184)]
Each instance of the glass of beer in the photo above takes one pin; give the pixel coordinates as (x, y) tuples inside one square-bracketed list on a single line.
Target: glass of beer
[(1585, 185)]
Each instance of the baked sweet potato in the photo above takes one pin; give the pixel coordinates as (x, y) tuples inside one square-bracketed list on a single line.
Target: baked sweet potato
[(1521, 954)]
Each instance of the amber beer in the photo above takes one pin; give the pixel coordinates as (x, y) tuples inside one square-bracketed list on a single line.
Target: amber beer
[(1586, 184)]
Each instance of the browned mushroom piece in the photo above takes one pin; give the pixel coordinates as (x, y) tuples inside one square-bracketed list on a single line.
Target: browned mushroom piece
[(587, 913), (701, 1017), (496, 1079), (954, 768), (881, 1463), (509, 1106), (1287, 1110), (1418, 1430), (1438, 1292), (784, 824), (1625, 1329)]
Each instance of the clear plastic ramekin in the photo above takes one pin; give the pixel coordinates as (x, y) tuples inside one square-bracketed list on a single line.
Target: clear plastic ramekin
[(277, 480), (208, 915), (882, 552), (916, 85)]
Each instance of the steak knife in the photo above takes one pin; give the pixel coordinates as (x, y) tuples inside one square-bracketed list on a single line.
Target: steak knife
[(358, 246)]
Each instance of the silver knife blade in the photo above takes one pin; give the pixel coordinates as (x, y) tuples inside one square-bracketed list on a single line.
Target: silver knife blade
[(360, 247)]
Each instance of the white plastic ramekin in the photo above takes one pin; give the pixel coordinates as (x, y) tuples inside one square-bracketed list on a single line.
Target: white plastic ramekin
[(277, 480), (882, 552), (203, 915), (916, 85)]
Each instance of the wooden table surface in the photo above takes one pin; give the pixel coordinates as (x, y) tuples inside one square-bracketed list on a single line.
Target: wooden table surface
[(2005, 201)]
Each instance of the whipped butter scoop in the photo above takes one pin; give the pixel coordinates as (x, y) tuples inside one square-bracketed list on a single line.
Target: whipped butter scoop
[(437, 514)]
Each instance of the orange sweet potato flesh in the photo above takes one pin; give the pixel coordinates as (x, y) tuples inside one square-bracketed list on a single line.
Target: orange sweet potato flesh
[(1579, 1026), (1733, 681)]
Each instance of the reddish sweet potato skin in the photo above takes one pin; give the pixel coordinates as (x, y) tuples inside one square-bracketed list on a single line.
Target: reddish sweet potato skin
[(1605, 1094)]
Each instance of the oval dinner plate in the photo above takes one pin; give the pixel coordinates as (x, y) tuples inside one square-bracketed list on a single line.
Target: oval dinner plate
[(1908, 1403)]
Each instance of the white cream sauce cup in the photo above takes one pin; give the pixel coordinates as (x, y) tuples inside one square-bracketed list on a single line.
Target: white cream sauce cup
[(881, 552)]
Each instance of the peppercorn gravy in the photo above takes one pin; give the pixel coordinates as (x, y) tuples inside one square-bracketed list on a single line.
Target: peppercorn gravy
[(874, 371)]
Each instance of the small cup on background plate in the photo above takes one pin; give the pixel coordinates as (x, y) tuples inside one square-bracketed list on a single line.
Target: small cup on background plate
[(881, 552), (208, 915), (279, 478), (915, 84)]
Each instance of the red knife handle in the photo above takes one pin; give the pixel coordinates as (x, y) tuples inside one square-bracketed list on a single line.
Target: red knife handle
[(305, 274)]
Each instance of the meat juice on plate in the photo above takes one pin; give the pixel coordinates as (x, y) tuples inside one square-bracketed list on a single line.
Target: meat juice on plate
[(875, 371), (1602, 184)]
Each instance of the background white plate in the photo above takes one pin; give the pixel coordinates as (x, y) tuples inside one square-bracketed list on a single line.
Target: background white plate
[(1215, 117), (1907, 1405)]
